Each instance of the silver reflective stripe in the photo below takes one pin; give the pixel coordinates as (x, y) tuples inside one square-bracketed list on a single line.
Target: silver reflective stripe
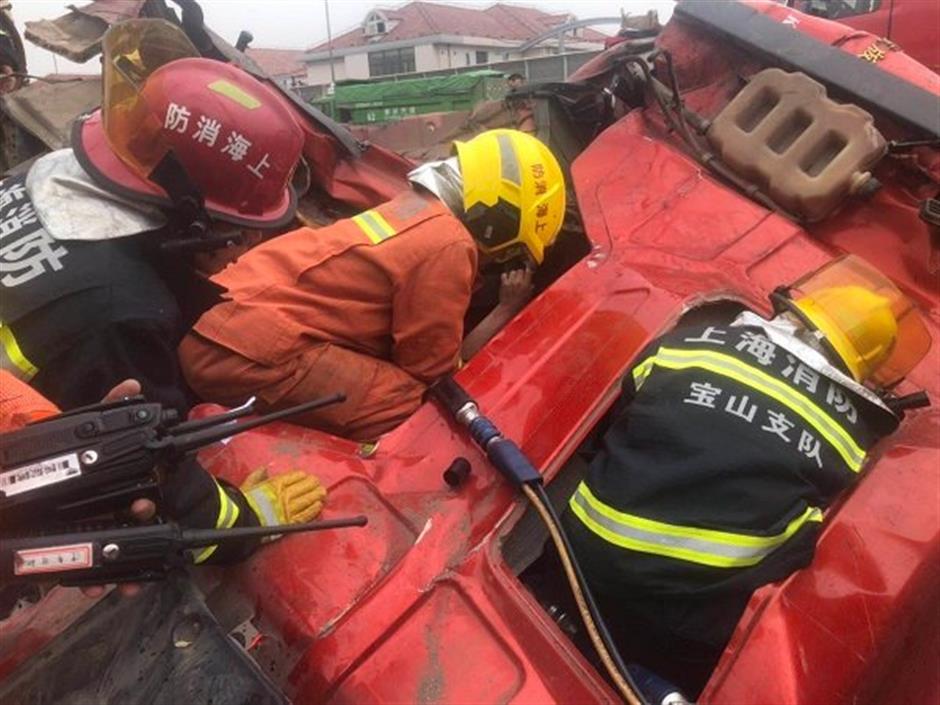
[(727, 366), (374, 226), (509, 165), (261, 503), (704, 546), (782, 332)]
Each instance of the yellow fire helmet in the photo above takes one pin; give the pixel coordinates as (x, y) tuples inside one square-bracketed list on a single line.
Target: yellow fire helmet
[(871, 325), (513, 193)]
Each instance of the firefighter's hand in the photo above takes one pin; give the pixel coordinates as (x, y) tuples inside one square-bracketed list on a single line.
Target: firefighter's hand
[(515, 288), (292, 498), (127, 388), (141, 509)]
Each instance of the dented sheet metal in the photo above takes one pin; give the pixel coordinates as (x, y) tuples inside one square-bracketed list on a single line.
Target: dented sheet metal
[(47, 109), (77, 35)]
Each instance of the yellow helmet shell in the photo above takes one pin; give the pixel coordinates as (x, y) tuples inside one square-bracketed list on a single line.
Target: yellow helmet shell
[(867, 320), (513, 193), (856, 322)]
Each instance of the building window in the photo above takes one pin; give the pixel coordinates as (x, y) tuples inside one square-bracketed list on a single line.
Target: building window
[(467, 58), (375, 24), (385, 63), (482, 57)]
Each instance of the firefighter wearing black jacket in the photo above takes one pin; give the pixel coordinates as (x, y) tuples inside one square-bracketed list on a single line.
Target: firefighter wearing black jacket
[(736, 436), (100, 245), (103, 246)]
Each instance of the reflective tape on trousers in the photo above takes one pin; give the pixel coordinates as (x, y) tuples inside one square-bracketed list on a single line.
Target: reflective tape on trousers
[(720, 549), (732, 368), (12, 358), (374, 225)]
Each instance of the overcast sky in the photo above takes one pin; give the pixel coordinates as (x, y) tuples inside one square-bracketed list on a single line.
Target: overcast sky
[(297, 24)]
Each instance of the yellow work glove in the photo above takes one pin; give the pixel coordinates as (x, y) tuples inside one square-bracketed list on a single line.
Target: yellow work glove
[(292, 498)]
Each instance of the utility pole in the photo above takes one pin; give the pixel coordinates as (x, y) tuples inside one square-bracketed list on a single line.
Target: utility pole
[(329, 39)]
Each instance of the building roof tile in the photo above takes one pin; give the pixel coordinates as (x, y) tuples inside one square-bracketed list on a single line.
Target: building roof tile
[(421, 19), (279, 62)]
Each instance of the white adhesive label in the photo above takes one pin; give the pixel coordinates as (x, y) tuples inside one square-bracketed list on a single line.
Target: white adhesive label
[(53, 559), (48, 472)]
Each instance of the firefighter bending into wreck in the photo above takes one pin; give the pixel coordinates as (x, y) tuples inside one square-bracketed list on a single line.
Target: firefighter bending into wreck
[(731, 440), (374, 305), (102, 246)]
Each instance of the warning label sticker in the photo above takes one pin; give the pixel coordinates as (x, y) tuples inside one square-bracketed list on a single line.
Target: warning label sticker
[(48, 472), (53, 559)]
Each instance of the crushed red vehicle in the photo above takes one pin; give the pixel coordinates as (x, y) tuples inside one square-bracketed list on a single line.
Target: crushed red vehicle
[(912, 24), (688, 198)]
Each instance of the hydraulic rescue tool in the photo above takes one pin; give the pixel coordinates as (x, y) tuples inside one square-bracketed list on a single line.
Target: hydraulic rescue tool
[(97, 460), (512, 462), (125, 554)]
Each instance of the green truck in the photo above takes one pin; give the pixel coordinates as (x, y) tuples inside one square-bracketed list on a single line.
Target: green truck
[(386, 101)]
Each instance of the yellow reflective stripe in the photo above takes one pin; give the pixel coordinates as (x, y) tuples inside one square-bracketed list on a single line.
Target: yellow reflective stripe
[(228, 515), (374, 225), (641, 372), (12, 358), (732, 368), (720, 549), (239, 95)]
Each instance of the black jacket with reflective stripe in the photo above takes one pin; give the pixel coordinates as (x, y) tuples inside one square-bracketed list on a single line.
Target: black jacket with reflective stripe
[(712, 440), (89, 314)]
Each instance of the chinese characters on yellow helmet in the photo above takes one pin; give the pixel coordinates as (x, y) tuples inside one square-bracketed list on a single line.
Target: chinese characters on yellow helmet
[(513, 193)]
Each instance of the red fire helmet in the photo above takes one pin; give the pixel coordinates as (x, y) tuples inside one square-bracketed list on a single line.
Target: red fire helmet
[(236, 141)]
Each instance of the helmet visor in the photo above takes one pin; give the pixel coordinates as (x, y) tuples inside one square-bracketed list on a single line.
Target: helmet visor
[(132, 51), (850, 273)]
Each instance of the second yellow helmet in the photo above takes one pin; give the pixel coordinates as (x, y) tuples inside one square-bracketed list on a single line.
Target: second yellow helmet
[(868, 322), (513, 193)]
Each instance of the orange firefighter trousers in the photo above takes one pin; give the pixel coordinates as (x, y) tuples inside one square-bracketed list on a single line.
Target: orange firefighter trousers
[(379, 394)]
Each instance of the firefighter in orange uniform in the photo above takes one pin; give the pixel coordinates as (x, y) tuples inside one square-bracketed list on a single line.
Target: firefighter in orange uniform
[(373, 306)]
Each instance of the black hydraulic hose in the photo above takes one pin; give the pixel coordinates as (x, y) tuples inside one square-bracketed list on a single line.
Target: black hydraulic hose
[(512, 462), (677, 107), (596, 615)]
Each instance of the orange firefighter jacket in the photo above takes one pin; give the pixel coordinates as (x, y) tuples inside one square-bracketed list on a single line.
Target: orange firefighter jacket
[(20, 404), (393, 282)]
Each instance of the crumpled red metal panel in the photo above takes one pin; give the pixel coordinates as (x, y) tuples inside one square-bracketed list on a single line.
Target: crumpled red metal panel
[(361, 182), (847, 629), (853, 628), (853, 41)]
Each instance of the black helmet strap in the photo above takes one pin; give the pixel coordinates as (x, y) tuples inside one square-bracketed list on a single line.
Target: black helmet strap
[(190, 222)]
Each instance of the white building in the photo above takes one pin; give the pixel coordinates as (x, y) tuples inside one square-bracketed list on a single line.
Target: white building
[(285, 66), (424, 36)]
